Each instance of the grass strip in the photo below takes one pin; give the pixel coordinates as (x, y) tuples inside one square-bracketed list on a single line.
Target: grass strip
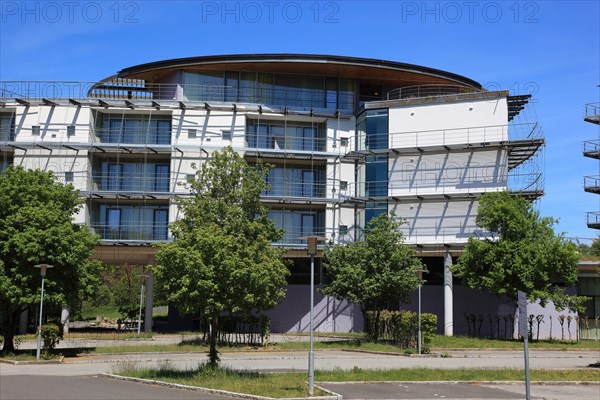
[(294, 384), (459, 374), (249, 382)]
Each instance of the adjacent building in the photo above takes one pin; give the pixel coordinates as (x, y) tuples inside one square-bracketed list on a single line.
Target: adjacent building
[(349, 138), (589, 273)]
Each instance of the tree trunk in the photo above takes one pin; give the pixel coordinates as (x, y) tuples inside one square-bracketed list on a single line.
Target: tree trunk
[(8, 329), (366, 324), (213, 354)]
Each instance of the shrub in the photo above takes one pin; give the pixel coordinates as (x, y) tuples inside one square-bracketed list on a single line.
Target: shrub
[(401, 328), (51, 336)]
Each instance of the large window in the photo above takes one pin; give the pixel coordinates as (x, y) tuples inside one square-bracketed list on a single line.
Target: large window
[(372, 130), (131, 222), (141, 129), (130, 176), (296, 182), (288, 136), (279, 90), (7, 127), (298, 223)]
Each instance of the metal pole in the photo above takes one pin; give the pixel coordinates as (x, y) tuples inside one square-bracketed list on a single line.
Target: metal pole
[(39, 338), (141, 302), (311, 354), (419, 334), (527, 384)]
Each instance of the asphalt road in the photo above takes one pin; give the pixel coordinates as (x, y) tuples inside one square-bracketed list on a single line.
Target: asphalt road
[(23, 387)]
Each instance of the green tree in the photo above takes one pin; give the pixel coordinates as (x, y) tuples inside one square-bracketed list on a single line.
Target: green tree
[(36, 226), (221, 261), (373, 272), (524, 253)]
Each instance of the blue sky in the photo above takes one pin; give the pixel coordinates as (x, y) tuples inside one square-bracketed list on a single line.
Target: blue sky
[(549, 47)]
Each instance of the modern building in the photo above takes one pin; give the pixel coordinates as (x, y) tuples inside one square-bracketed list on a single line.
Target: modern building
[(350, 138), (589, 273)]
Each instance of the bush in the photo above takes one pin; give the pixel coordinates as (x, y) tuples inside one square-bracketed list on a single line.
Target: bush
[(51, 336), (401, 328)]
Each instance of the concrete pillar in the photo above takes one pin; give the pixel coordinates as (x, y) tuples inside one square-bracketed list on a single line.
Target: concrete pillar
[(448, 298), (64, 319), (23, 322), (149, 301)]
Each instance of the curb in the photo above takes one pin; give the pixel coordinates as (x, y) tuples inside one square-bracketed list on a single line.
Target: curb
[(333, 396), (13, 362), (540, 383)]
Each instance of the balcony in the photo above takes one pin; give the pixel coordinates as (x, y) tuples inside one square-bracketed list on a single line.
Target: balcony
[(522, 141), (592, 113), (130, 222), (529, 185), (591, 184), (591, 149), (132, 232), (132, 92), (593, 219)]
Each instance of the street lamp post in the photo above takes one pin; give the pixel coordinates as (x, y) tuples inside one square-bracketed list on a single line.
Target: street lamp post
[(312, 251), (143, 278), (43, 268), (420, 277)]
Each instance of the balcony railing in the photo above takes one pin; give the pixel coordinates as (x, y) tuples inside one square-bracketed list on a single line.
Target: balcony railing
[(592, 110), (593, 219), (591, 184), (447, 137), (421, 91), (444, 185), (136, 89), (132, 232)]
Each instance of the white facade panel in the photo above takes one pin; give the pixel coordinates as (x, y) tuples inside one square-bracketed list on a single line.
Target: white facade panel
[(448, 123), (448, 172)]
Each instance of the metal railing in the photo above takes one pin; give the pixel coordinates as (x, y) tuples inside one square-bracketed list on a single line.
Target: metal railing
[(592, 110), (422, 183), (423, 91), (135, 89), (591, 183), (132, 232), (445, 137), (593, 219)]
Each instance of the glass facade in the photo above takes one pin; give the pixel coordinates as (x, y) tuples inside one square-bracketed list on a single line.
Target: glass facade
[(280, 90), (131, 222), (372, 131), (7, 127), (131, 129), (290, 136), (298, 223), (119, 175), (296, 182)]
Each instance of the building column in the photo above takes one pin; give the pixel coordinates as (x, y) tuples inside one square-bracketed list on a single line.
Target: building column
[(448, 298), (149, 301), (64, 319)]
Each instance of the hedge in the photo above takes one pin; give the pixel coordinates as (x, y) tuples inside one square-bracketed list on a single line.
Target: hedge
[(401, 328)]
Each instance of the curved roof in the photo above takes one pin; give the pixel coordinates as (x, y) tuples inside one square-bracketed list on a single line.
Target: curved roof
[(312, 64)]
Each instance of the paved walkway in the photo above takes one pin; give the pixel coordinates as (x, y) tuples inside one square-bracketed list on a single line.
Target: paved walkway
[(326, 360)]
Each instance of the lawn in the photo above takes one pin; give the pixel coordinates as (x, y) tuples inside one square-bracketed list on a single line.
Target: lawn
[(248, 382), (294, 384)]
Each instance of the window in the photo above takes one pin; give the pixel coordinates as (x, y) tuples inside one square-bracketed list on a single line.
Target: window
[(190, 177), (7, 127), (343, 230), (140, 129), (191, 134), (161, 178), (70, 130), (35, 130), (226, 134), (344, 142), (68, 177), (343, 185)]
